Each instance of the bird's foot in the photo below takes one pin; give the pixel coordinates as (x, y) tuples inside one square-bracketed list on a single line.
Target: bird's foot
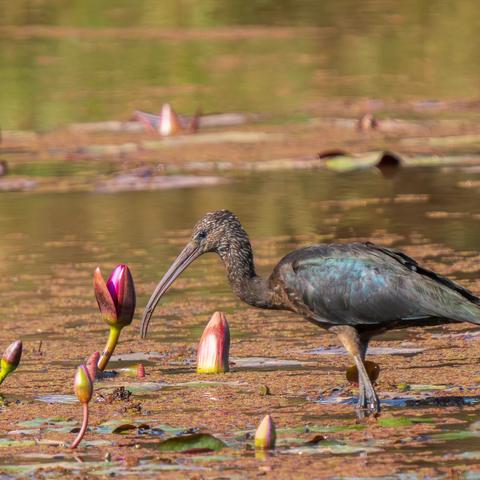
[(368, 404)]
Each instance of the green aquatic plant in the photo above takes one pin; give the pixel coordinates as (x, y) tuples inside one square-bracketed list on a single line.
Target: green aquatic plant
[(116, 300), (83, 387), (10, 359), (214, 346)]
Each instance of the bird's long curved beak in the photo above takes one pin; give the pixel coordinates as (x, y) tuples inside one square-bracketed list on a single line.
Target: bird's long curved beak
[(184, 259)]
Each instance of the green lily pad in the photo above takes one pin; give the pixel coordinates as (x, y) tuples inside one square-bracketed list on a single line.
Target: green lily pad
[(211, 458), (41, 421), (7, 442), (334, 447), (459, 435), (402, 421), (125, 428), (111, 425), (196, 441), (426, 387), (347, 163), (57, 399), (320, 428)]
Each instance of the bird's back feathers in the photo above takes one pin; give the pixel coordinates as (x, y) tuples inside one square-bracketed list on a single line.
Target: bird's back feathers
[(362, 284)]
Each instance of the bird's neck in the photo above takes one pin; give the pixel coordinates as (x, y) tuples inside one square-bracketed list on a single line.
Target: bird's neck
[(245, 283)]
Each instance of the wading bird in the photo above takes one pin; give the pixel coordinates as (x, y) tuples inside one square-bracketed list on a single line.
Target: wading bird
[(355, 290)]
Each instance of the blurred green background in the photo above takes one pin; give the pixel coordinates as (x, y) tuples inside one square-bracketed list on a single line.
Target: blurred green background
[(87, 60)]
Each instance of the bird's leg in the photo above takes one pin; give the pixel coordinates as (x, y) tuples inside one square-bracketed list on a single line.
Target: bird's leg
[(362, 392), (356, 346)]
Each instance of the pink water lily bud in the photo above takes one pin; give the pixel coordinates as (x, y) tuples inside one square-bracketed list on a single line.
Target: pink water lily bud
[(169, 123), (83, 384), (140, 370), (13, 353), (265, 436), (214, 346), (116, 300), (10, 359), (116, 297), (91, 365)]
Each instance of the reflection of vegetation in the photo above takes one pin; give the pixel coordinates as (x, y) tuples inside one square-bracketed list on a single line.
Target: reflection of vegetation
[(370, 48), (60, 169), (297, 207)]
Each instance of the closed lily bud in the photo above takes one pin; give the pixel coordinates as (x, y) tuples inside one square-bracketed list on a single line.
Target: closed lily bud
[(214, 346), (372, 368), (92, 365), (83, 385), (116, 300), (169, 123), (116, 297), (265, 436), (10, 359)]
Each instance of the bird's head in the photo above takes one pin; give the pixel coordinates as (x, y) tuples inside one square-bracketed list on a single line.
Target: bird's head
[(215, 232)]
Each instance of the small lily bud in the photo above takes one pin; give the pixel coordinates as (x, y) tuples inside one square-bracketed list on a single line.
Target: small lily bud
[(83, 385), (214, 346), (140, 370), (265, 436), (169, 123), (372, 368), (10, 359), (92, 365)]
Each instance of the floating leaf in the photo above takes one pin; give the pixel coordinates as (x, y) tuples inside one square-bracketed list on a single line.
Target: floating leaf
[(460, 435), (40, 421), (321, 428), (124, 428), (67, 399), (7, 442), (395, 421), (196, 441)]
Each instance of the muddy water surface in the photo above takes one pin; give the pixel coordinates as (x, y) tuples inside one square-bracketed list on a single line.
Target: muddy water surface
[(429, 382)]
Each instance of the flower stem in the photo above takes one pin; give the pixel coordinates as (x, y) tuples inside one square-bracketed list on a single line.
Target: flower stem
[(82, 431), (109, 347)]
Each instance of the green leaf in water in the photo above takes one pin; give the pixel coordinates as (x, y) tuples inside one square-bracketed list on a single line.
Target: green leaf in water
[(196, 441), (7, 442), (124, 428), (40, 421), (460, 435), (211, 458), (320, 428), (402, 421)]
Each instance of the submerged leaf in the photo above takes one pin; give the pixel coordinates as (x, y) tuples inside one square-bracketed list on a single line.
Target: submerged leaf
[(6, 442), (124, 428), (196, 441), (402, 421)]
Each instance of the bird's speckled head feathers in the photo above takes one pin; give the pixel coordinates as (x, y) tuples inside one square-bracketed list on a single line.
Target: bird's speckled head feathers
[(216, 231)]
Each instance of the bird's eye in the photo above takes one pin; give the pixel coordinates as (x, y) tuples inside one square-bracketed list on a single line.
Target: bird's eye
[(201, 235)]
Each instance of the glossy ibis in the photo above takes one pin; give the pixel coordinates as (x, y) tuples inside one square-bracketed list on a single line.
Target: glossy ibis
[(355, 290)]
